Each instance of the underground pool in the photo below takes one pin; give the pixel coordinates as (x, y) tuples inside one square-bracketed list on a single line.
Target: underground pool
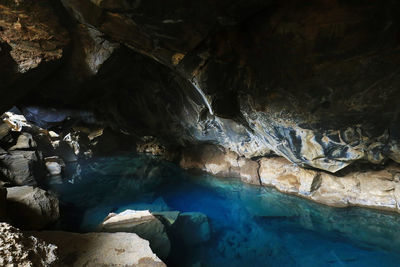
[(249, 225)]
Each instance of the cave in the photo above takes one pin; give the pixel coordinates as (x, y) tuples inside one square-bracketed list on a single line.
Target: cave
[(199, 133)]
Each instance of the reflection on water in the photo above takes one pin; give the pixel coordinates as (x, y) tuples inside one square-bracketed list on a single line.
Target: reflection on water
[(251, 226)]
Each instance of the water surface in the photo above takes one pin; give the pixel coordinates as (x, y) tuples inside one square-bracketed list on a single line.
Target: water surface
[(250, 225)]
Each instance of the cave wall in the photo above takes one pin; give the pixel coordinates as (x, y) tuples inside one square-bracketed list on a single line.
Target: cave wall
[(315, 82)]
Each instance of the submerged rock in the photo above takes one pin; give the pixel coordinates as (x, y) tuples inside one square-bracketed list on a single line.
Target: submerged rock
[(144, 224), (100, 249), (192, 228), (18, 249), (31, 208)]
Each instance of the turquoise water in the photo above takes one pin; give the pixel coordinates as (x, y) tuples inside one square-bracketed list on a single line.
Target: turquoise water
[(250, 226)]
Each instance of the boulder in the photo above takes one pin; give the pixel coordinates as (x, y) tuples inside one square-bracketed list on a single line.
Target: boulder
[(192, 228), (24, 141), (100, 249), (31, 208), (144, 224), (18, 249), (19, 167), (54, 165)]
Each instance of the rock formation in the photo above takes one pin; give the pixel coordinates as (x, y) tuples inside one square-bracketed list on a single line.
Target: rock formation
[(31, 208), (353, 187), (142, 223), (255, 77), (100, 249), (302, 97), (18, 249)]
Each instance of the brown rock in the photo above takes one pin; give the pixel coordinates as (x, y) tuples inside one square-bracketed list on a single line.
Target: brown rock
[(32, 30), (220, 162), (375, 189)]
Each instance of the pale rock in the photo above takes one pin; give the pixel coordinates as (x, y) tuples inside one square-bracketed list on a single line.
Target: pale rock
[(15, 121), (54, 165), (100, 249), (53, 135), (286, 176), (220, 162), (144, 224), (18, 249), (24, 141), (374, 189), (31, 208), (248, 171)]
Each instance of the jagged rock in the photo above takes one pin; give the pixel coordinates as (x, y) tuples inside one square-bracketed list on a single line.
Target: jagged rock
[(19, 167), (248, 93), (3, 204), (31, 208), (144, 224), (32, 42), (54, 165), (192, 228), (15, 121), (24, 141), (18, 249), (100, 249)]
